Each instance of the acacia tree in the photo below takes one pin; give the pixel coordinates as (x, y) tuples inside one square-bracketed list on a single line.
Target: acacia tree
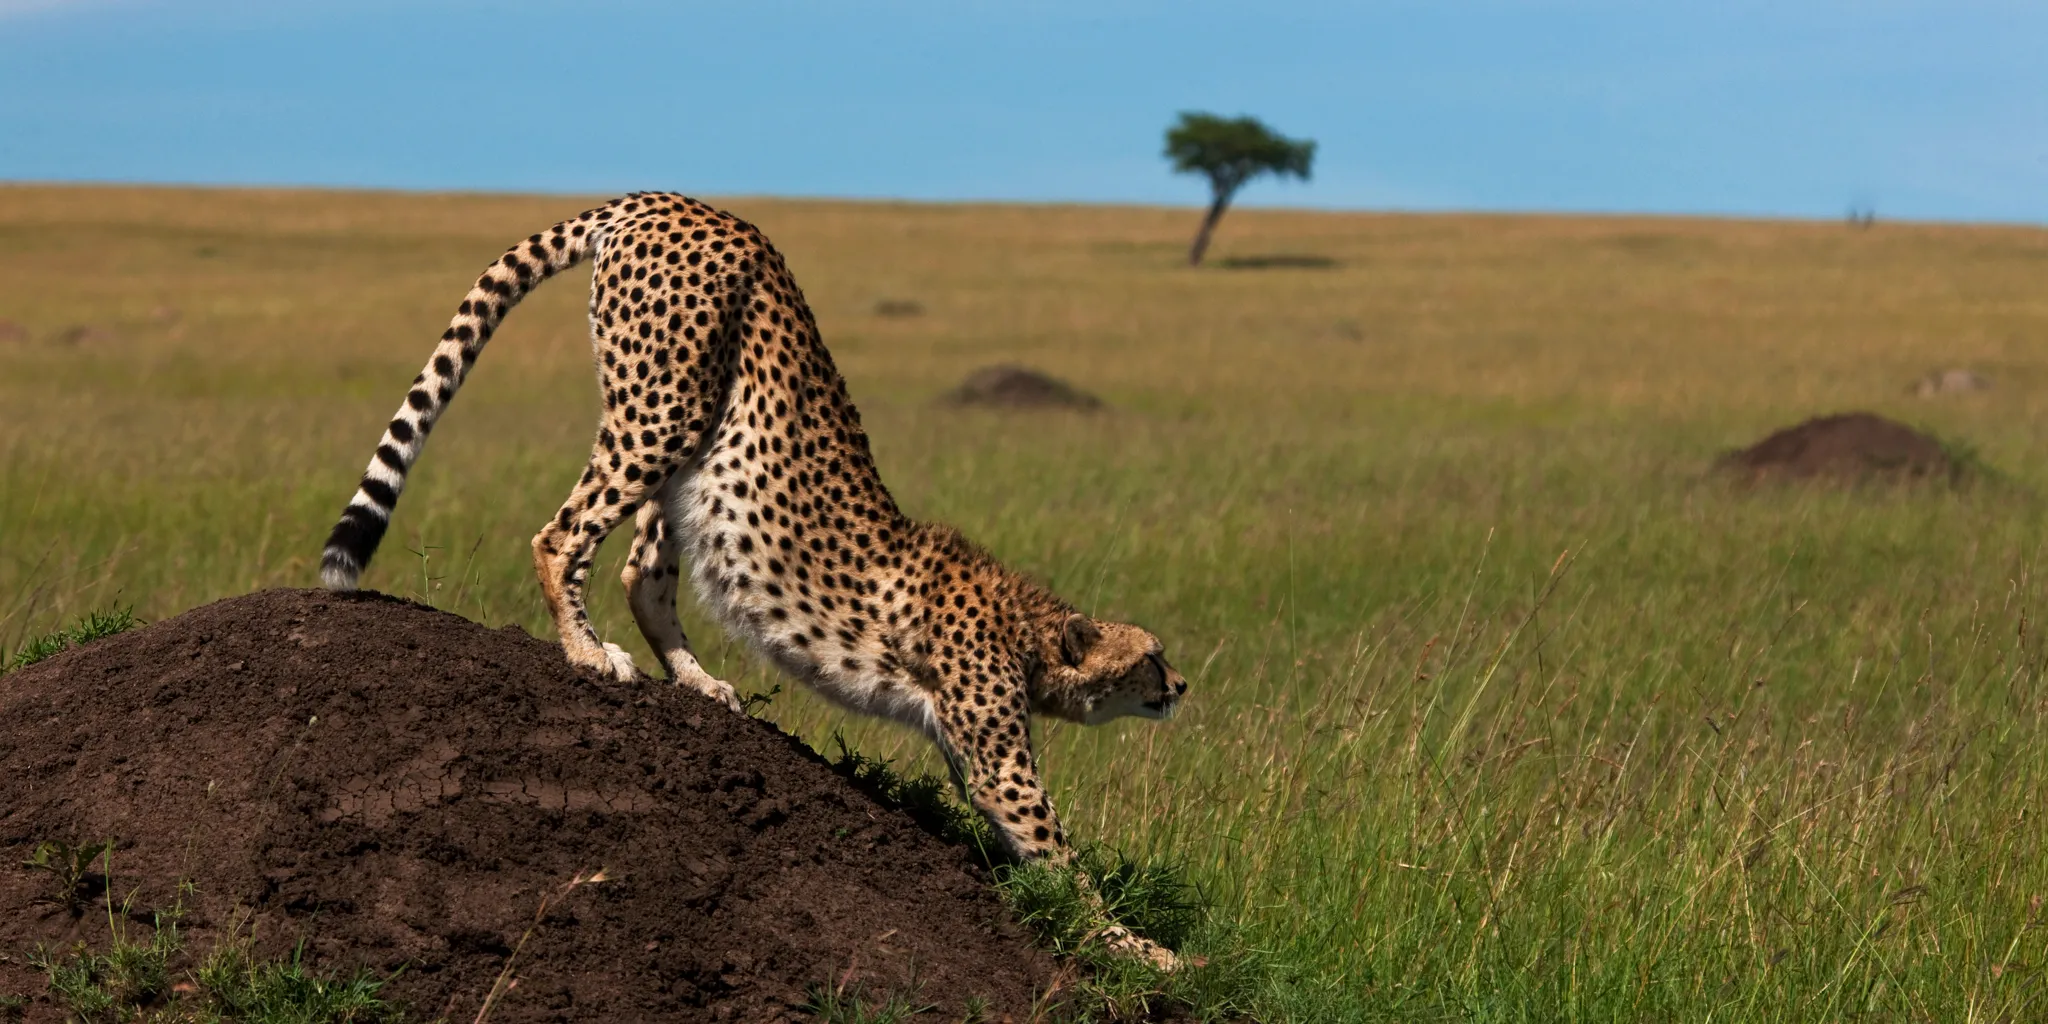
[(1230, 152)]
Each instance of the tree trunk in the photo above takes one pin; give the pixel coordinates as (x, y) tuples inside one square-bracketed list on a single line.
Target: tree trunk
[(1208, 226)]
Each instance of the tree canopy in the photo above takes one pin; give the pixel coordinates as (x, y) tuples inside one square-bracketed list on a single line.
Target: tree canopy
[(1230, 151)]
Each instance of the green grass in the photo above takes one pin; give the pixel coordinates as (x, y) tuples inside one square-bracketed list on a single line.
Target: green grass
[(836, 1005), (154, 979), (122, 982), (1067, 907), (94, 626), (131, 980), (73, 880), (1503, 707), (240, 987)]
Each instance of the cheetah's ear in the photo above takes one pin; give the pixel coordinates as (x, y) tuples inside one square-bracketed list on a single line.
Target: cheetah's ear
[(1079, 635)]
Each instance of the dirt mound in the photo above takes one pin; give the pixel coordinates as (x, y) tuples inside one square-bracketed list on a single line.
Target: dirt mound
[(1854, 446), (401, 788), (1019, 387)]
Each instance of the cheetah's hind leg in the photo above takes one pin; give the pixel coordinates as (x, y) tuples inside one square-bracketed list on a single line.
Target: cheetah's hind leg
[(651, 576), (565, 547)]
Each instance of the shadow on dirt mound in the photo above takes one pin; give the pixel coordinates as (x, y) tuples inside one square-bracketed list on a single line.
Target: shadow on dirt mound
[(401, 788), (1853, 447)]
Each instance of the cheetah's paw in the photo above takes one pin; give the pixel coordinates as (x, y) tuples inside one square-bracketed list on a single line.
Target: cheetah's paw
[(619, 665), (609, 661), (684, 671), (1125, 943), (715, 688)]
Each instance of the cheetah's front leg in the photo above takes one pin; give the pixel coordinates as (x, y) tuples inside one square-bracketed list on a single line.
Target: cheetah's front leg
[(983, 728), (984, 731)]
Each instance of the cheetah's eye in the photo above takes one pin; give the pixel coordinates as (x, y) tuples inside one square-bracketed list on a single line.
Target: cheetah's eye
[(1151, 670)]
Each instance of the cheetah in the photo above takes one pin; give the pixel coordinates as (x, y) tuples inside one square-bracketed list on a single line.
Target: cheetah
[(727, 435)]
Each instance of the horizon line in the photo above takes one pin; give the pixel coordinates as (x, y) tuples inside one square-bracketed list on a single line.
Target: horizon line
[(1414, 210)]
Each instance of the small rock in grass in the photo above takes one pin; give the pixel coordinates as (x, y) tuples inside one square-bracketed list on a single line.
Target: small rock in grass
[(83, 334), (1956, 381)]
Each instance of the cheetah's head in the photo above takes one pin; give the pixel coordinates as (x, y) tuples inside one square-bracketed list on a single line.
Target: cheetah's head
[(1095, 671)]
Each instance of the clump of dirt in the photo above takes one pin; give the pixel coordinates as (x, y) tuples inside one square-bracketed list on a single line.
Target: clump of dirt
[(400, 788), (1853, 446), (11, 331), (1019, 387)]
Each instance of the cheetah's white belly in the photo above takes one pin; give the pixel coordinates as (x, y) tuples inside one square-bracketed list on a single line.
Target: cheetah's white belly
[(730, 560)]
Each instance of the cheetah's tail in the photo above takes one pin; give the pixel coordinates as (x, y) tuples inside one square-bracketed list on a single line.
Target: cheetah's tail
[(501, 286)]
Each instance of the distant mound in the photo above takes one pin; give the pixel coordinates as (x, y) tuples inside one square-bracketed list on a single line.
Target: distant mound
[(1279, 261), (898, 308), (1852, 446), (1019, 387), (400, 788)]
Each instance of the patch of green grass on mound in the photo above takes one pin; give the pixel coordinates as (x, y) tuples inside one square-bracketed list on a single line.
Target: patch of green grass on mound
[(132, 980), (1068, 906), (94, 625), (155, 979), (834, 1004)]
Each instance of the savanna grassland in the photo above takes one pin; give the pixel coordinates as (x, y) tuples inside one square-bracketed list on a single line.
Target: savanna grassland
[(1504, 708)]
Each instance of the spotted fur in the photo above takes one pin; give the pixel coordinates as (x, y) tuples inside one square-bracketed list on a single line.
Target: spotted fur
[(727, 435)]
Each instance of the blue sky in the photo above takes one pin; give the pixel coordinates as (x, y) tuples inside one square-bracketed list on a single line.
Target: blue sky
[(1919, 109)]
